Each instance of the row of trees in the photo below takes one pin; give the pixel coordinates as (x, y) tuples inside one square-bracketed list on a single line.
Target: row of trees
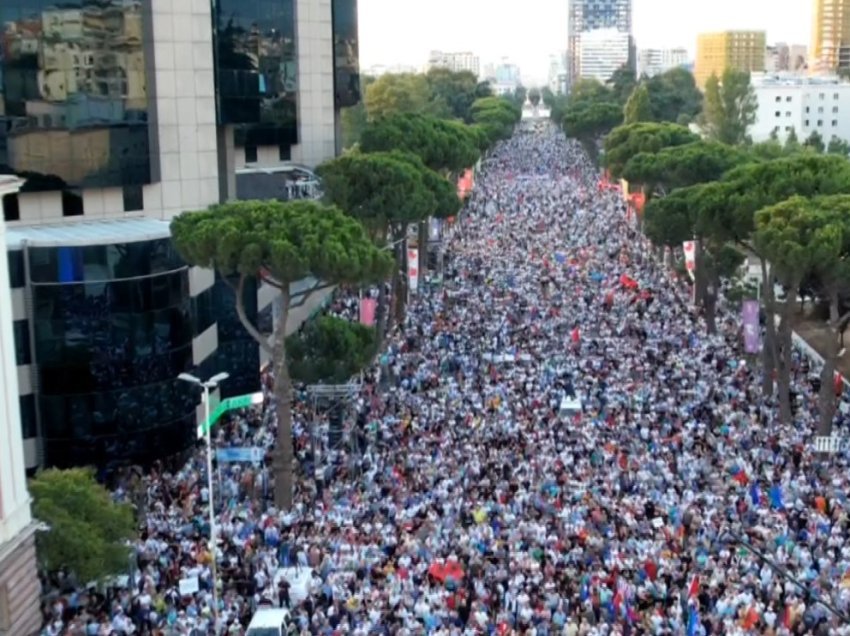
[(787, 206)]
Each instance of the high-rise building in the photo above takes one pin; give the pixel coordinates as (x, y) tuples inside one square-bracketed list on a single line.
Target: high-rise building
[(120, 115), (782, 57), (602, 52), (19, 586), (593, 15), (736, 50), (463, 61), (652, 62), (557, 79), (830, 50)]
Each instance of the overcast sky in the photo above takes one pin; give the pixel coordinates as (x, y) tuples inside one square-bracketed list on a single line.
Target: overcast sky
[(528, 31)]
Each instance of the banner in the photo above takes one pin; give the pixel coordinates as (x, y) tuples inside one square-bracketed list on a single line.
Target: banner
[(465, 184), (240, 454), (690, 257), (412, 269), (750, 320), (367, 311)]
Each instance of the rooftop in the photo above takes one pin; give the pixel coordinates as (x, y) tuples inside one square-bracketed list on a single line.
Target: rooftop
[(76, 233)]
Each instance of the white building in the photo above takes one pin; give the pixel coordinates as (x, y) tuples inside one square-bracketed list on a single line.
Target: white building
[(456, 62), (804, 104), (557, 80), (781, 57), (602, 52), (652, 62), (19, 585)]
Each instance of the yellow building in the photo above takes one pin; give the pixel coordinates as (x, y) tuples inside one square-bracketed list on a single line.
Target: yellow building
[(830, 36), (737, 50)]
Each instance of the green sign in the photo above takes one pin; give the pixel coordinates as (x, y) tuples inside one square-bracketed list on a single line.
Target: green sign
[(229, 404)]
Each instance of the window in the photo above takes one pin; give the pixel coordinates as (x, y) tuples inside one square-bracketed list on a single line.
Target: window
[(835, 96), (779, 113), (250, 154), (834, 123), (16, 268), (11, 208), (284, 152), (778, 98), (788, 128), (821, 96), (788, 99), (820, 122), (21, 330), (133, 198), (787, 113), (72, 203), (820, 109), (807, 122), (835, 109), (29, 427), (807, 109)]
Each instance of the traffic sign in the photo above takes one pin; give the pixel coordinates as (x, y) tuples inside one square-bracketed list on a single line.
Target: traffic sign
[(229, 404)]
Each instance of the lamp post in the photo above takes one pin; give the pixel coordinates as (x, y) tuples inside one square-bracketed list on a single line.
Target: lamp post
[(210, 384)]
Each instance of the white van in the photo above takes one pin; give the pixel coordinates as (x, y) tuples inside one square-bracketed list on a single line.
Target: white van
[(269, 621)]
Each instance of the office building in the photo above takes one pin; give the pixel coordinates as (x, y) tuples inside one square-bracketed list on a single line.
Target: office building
[(504, 77), (781, 58), (602, 52), (557, 79), (119, 115), (652, 62), (456, 62), (830, 51), (803, 104), (594, 15), (20, 589), (736, 50)]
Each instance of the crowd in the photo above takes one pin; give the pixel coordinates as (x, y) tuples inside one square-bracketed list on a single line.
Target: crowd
[(551, 444)]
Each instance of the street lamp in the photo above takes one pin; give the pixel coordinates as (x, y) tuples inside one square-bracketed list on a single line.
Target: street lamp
[(210, 384)]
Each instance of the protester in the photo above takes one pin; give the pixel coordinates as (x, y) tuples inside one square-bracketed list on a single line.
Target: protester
[(551, 444)]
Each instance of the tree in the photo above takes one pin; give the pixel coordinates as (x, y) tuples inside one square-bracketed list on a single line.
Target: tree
[(398, 93), (519, 95), (330, 350), (681, 166), (792, 143), (457, 90), (638, 107), (815, 142), (674, 96), (838, 146), (534, 96), (729, 108), (88, 531), (280, 243), (626, 141), (588, 122), (496, 116), (353, 118), (622, 83)]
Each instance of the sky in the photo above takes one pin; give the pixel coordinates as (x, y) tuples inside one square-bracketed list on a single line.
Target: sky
[(528, 31)]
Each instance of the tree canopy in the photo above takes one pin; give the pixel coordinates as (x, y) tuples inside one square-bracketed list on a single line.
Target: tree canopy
[(442, 145), (624, 142), (496, 117), (534, 96), (330, 350), (453, 92), (88, 531), (729, 108), (399, 93), (674, 96), (670, 220), (638, 107)]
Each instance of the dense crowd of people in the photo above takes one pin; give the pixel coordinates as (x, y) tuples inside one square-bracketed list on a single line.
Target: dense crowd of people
[(552, 443)]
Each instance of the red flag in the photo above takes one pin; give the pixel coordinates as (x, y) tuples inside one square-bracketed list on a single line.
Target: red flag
[(651, 569), (575, 335), (367, 311), (693, 589), (838, 381)]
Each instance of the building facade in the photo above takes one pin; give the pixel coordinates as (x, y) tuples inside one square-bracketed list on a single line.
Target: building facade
[(781, 57), (119, 115), (830, 50), (736, 50), (602, 52), (456, 62), (652, 62), (19, 585), (805, 105), (593, 15), (557, 77)]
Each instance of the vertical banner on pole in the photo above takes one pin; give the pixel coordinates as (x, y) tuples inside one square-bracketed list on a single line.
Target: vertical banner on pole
[(367, 311), (750, 320), (412, 269), (690, 257)]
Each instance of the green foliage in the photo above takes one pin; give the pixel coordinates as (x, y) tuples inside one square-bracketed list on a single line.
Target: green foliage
[(588, 122), (518, 96), (496, 116), (382, 190), (838, 146), (88, 531), (442, 144), (353, 119), (729, 108), (674, 96), (624, 142), (670, 220), (446, 201), (787, 235), (622, 83), (815, 142), (330, 350), (638, 107), (534, 96), (455, 91), (681, 166), (727, 207), (767, 150), (792, 143), (399, 93), (291, 240)]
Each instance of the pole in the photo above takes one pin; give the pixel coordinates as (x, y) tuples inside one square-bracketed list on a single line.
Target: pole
[(208, 438)]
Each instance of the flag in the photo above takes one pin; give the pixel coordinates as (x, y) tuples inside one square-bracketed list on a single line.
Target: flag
[(786, 617), (693, 588), (755, 494), (693, 620), (776, 497), (750, 619), (575, 335), (739, 475)]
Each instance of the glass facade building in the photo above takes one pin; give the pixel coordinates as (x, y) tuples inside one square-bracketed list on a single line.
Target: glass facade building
[(256, 70), (73, 93), (346, 45)]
